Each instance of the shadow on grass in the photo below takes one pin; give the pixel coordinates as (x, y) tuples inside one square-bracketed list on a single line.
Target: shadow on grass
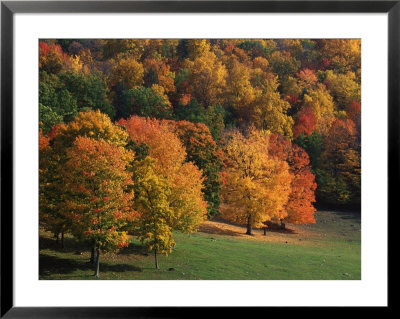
[(49, 265), (287, 231), (70, 245), (353, 216), (133, 249)]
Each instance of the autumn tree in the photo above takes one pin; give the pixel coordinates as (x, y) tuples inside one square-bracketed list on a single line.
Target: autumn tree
[(93, 124), (322, 105), (97, 195), (354, 113), (53, 159), (181, 182), (341, 164), (343, 87), (283, 63), (307, 78), (52, 59), (270, 111), (305, 122), (299, 207), (126, 72), (297, 88), (123, 47), (202, 150), (158, 72), (50, 201), (151, 199), (197, 48), (342, 54), (207, 78), (256, 186), (240, 92)]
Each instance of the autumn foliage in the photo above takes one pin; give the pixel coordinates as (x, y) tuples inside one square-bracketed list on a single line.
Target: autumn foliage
[(145, 137), (257, 185), (299, 207), (169, 187)]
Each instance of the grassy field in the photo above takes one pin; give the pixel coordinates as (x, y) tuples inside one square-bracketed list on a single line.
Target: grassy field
[(329, 249)]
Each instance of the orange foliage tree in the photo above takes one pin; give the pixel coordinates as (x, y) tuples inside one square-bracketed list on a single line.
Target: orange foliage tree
[(52, 158), (158, 72), (299, 207), (97, 193)]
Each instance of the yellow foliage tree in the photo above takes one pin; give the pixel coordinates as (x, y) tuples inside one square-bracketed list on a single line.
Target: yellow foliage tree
[(132, 47), (343, 54), (207, 78), (181, 205), (343, 87), (240, 92), (257, 186), (321, 103), (126, 71), (270, 111), (197, 48), (152, 194)]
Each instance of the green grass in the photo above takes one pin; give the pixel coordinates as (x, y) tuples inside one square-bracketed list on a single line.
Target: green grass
[(332, 251)]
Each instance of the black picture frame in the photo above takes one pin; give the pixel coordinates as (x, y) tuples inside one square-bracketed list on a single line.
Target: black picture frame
[(9, 8)]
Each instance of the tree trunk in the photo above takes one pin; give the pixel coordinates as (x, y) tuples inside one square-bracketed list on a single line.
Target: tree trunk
[(57, 239), (97, 266), (248, 232), (265, 231), (283, 226), (155, 258), (62, 240)]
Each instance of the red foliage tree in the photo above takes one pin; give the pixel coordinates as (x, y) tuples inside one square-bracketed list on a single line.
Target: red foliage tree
[(52, 59), (299, 208), (305, 122), (354, 113)]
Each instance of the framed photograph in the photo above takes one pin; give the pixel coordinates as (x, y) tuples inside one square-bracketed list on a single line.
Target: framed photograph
[(163, 155)]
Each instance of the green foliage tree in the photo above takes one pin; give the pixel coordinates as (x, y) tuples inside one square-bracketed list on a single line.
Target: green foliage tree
[(90, 91), (194, 112), (48, 118), (203, 151), (54, 95), (144, 101)]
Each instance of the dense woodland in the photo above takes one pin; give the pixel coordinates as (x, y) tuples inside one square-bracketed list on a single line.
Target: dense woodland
[(148, 137)]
